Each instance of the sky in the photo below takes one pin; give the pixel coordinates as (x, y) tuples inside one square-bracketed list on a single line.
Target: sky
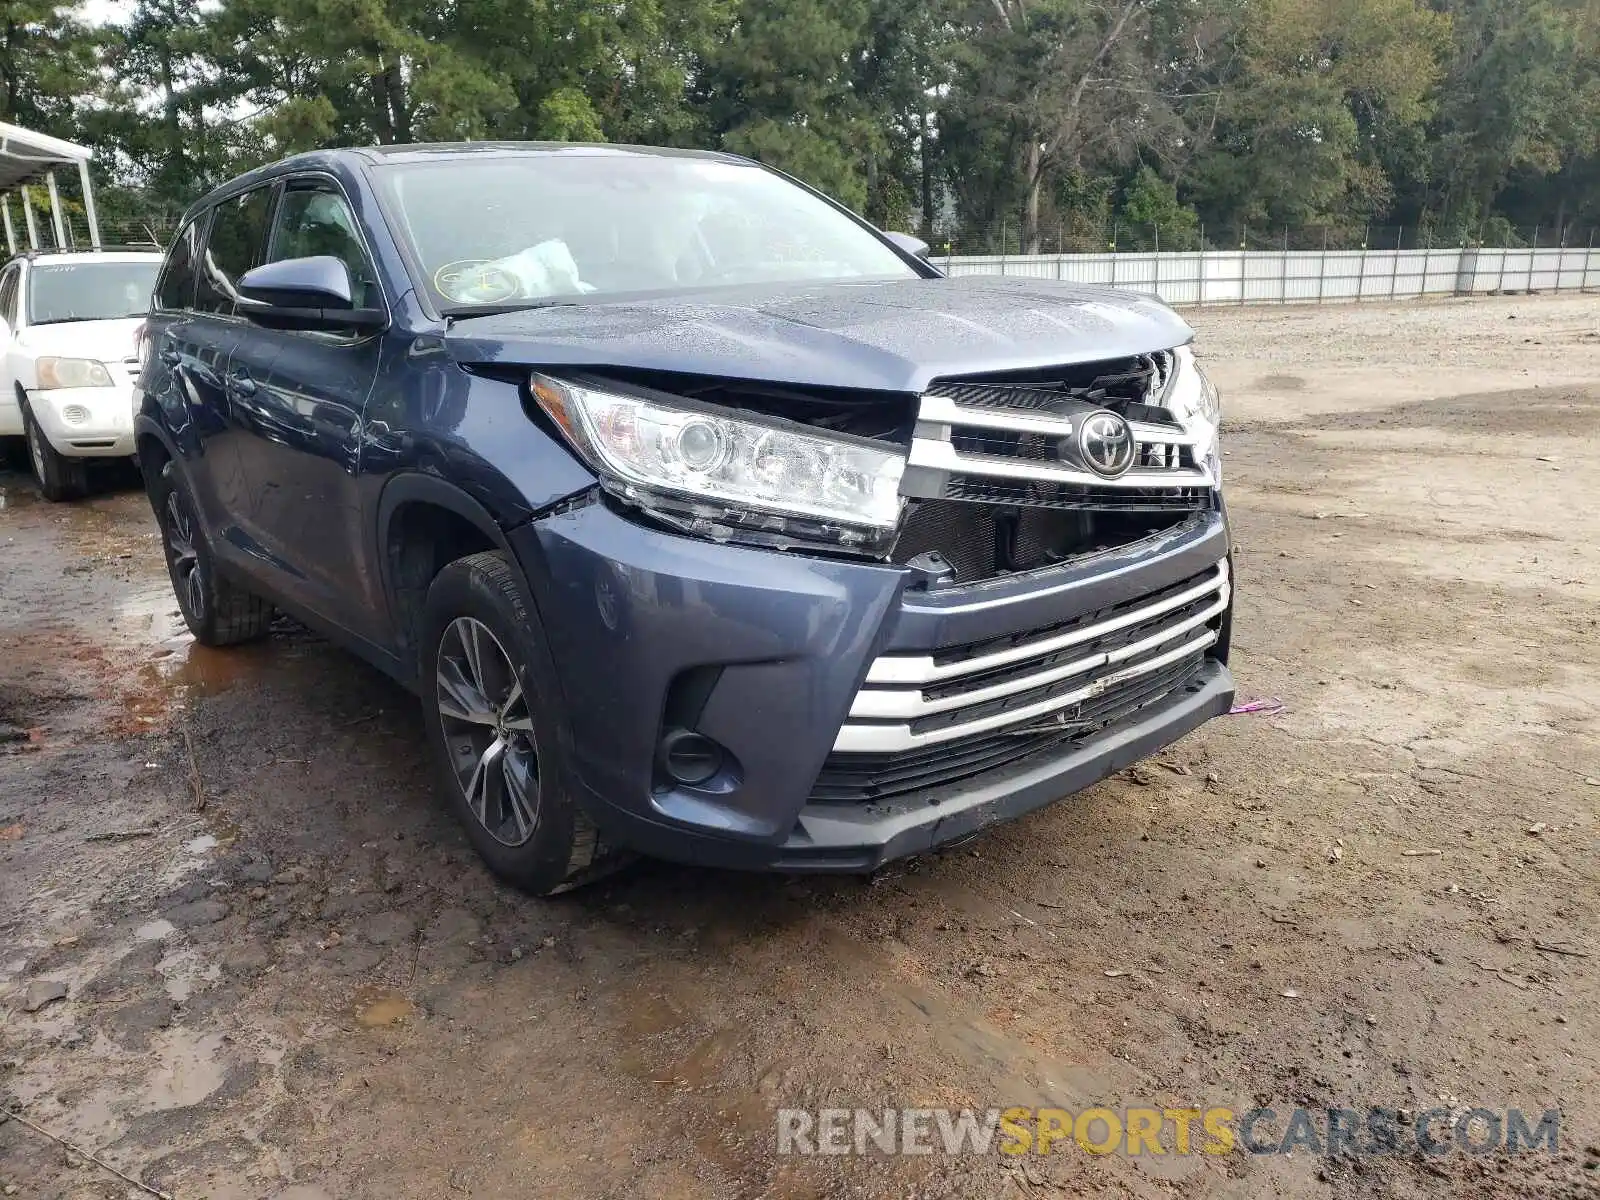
[(100, 12)]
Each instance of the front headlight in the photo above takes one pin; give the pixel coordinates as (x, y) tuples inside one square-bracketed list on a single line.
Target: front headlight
[(1193, 399), (724, 475), (72, 373)]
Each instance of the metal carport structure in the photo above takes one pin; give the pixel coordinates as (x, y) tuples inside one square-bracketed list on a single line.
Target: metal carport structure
[(26, 157)]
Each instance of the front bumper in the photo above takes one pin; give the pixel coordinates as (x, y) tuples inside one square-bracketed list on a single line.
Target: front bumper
[(90, 422), (839, 838), (765, 653)]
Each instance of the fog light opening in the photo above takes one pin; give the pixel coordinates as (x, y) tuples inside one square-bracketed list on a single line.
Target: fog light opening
[(689, 758)]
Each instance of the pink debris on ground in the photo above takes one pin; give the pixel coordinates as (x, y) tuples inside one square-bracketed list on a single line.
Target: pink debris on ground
[(1266, 708)]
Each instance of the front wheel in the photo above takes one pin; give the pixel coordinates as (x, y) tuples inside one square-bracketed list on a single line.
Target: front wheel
[(488, 697), (59, 477), (217, 611)]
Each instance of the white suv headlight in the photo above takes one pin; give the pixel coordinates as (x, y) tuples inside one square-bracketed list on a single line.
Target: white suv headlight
[(72, 373), (722, 474)]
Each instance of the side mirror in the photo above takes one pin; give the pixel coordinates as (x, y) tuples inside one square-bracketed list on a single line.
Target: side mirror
[(909, 243), (304, 293), (318, 282)]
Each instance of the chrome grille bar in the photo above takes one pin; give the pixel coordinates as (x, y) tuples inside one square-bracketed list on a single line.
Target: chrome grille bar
[(938, 454), (879, 739), (909, 669), (897, 703), (893, 699), (944, 410)]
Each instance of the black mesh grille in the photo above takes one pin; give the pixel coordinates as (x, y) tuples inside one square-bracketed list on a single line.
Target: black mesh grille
[(1112, 384), (986, 489), (982, 541), (861, 778), (980, 395), (963, 533), (1004, 443), (1046, 536)]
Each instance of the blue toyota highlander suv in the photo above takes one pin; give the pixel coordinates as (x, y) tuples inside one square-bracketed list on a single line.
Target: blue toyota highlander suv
[(707, 521)]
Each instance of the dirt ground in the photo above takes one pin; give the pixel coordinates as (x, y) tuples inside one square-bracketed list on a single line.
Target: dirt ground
[(309, 989)]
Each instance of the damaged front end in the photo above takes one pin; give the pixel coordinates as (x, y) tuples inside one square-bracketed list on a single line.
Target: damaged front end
[(984, 596), (979, 477)]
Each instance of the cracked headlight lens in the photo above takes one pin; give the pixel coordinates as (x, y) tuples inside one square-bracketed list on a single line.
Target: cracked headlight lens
[(730, 475)]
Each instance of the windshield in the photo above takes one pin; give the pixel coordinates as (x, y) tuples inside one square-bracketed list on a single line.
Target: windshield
[(515, 229), (90, 291)]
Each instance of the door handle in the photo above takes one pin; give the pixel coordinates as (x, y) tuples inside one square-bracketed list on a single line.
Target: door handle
[(170, 356), (240, 383), (380, 435)]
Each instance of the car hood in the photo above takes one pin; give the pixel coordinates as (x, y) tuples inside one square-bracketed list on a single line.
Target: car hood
[(889, 336), (108, 341)]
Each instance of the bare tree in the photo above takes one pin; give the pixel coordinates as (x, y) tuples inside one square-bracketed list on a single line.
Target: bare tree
[(1072, 63)]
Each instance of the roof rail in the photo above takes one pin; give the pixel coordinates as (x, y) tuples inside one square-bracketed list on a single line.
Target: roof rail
[(116, 248)]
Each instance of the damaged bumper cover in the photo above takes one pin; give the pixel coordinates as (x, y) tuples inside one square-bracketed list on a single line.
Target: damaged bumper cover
[(765, 655)]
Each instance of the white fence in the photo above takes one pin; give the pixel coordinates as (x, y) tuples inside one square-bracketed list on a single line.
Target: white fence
[(1293, 276)]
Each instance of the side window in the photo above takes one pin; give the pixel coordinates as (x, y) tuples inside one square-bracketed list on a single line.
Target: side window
[(316, 219), (8, 294), (233, 246), (175, 284)]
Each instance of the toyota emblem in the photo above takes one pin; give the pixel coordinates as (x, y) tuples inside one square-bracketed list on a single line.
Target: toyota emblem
[(1106, 443)]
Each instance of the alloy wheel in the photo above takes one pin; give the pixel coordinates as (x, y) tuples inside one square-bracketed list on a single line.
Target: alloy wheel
[(182, 559), (36, 450), (488, 731)]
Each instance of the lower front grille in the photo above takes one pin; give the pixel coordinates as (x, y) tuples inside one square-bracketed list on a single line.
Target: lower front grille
[(863, 778), (1044, 678)]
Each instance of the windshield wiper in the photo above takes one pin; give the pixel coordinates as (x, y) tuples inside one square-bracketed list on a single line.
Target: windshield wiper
[(457, 312), (75, 320)]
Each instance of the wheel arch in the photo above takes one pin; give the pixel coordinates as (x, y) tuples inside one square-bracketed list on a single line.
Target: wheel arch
[(153, 448), (423, 525)]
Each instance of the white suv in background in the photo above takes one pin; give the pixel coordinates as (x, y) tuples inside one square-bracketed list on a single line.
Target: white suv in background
[(68, 323)]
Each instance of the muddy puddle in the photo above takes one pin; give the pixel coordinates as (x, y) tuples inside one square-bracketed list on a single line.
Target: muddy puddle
[(189, 1069), (94, 620)]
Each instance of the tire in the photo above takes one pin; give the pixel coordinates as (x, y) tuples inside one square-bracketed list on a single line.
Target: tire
[(217, 611), (14, 454), (491, 707), (59, 477)]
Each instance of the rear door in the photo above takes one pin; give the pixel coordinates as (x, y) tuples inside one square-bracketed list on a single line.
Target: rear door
[(198, 349), (169, 353), (304, 394)]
